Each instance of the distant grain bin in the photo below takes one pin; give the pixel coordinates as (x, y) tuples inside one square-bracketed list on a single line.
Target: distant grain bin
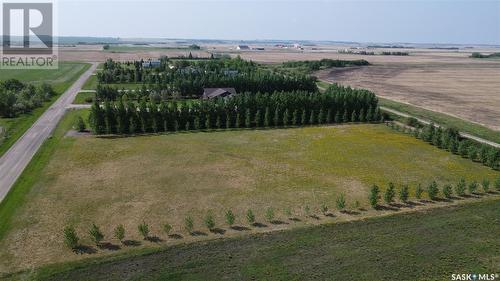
[(242, 47)]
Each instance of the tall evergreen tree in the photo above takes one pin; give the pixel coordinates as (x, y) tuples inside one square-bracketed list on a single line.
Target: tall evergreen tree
[(354, 116), (144, 116), (329, 116), (312, 118), (276, 118), (295, 117), (122, 118), (258, 119), (238, 120), (285, 118), (362, 117), (228, 120), (248, 118), (267, 118), (109, 117), (218, 123), (208, 122), (369, 114), (303, 118), (321, 116), (133, 118), (345, 117), (337, 117)]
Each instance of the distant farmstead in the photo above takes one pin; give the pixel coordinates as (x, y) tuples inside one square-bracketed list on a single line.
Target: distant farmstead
[(242, 47), (210, 93), (151, 64)]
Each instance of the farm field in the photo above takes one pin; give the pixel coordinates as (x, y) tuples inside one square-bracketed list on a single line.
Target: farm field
[(436, 243), (60, 79), (466, 90), (164, 178), (144, 48)]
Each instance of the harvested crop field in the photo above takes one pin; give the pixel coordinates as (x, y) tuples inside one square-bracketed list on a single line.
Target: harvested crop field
[(465, 90), (159, 179)]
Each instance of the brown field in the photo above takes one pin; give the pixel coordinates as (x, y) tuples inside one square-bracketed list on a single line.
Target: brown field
[(465, 90)]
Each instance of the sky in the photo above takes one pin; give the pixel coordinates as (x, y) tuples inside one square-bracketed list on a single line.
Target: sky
[(417, 21)]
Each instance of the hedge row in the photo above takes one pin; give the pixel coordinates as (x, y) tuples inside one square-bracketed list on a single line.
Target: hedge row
[(337, 105), (449, 139)]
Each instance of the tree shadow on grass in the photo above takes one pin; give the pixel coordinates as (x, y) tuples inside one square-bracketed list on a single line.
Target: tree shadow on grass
[(350, 212), (198, 233), (83, 249), (425, 201), (154, 239), (132, 243), (294, 219), (314, 217), (397, 205), (385, 208), (259, 225), (175, 236), (239, 228), (217, 230), (412, 204), (443, 200), (278, 222), (109, 246)]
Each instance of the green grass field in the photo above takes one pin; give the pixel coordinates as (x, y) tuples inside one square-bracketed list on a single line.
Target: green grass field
[(416, 246), (61, 79), (91, 83), (164, 178), (83, 98)]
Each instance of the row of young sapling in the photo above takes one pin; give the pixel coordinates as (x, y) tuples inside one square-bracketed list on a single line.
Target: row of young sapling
[(72, 240), (448, 191)]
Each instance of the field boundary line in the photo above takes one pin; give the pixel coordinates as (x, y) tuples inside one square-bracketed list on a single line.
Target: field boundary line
[(462, 134)]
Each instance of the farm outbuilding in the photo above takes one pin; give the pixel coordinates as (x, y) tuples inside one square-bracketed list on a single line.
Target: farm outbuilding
[(242, 47), (151, 64), (210, 93)]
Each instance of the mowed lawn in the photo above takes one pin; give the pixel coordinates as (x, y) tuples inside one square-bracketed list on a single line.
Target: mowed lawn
[(164, 178)]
